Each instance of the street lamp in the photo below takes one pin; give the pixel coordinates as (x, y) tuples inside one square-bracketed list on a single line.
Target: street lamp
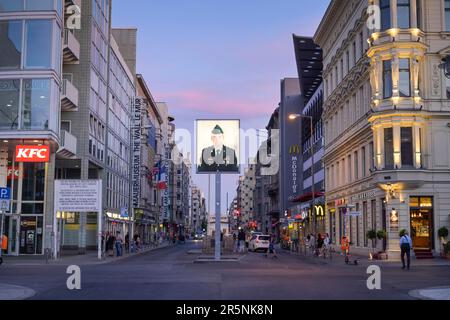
[(296, 116)]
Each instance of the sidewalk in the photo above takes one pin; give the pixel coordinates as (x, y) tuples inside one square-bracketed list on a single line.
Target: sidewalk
[(10, 292), (338, 259), (439, 293), (90, 258)]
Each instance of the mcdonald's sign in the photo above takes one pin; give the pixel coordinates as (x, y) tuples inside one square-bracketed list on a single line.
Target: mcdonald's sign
[(320, 212), (294, 149)]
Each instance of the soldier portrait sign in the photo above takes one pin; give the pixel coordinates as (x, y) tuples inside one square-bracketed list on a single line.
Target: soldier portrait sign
[(218, 146)]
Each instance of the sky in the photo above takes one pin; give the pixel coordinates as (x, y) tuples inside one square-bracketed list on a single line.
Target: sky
[(218, 59)]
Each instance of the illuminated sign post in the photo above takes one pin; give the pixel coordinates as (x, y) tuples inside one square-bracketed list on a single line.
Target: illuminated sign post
[(218, 152)]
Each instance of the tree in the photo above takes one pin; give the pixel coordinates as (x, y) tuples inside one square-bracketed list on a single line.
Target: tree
[(372, 235)]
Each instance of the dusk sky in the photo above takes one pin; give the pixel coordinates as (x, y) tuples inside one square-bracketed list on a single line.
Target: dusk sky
[(218, 59)]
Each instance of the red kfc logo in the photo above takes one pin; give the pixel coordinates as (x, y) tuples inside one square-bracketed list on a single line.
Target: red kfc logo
[(32, 154)]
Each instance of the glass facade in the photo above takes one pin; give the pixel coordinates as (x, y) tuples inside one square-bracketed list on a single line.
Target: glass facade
[(35, 110), (407, 146), (29, 5), (9, 104), (38, 44)]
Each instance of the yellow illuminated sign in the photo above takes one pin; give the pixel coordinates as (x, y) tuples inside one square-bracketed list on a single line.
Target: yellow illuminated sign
[(295, 149)]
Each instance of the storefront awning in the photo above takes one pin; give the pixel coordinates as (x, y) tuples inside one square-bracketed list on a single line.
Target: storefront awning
[(307, 197)]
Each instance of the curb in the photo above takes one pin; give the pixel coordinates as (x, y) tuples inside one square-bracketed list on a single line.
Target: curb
[(85, 263)]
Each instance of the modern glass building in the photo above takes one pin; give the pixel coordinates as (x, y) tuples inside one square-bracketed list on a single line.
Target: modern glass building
[(30, 84)]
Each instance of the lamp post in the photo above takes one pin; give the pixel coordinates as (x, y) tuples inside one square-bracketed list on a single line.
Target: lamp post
[(295, 117)]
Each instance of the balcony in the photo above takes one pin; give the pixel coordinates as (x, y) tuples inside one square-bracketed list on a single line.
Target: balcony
[(68, 147), (69, 97), (71, 48)]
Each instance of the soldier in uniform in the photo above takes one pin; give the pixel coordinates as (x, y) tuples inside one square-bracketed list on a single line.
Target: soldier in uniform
[(218, 157)]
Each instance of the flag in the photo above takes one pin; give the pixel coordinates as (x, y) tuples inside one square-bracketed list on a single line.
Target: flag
[(162, 184)]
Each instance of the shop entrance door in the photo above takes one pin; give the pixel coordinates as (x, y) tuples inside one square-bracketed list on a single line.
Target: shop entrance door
[(27, 235), (422, 228)]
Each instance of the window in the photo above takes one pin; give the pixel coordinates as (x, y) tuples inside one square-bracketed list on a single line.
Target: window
[(372, 156), (349, 168), (365, 223), (361, 40), (9, 104), (10, 44), (387, 79), (405, 79), (36, 101), (33, 5), (385, 6), (11, 5), (354, 53), (38, 43), (388, 148), (407, 146), (448, 86), (403, 14), (363, 161), (356, 165), (347, 54), (419, 13), (447, 15)]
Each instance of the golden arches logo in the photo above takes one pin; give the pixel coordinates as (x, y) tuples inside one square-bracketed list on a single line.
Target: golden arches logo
[(295, 149), (319, 211)]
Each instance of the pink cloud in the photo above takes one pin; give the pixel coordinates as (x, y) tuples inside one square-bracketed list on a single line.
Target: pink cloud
[(208, 101)]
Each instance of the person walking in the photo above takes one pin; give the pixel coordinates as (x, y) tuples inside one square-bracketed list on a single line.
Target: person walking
[(405, 247), (320, 242), (271, 249), (241, 240), (119, 242)]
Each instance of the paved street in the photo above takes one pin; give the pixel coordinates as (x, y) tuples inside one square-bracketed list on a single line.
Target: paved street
[(170, 273)]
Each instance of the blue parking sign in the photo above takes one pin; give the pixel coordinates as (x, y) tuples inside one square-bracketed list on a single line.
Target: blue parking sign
[(5, 193)]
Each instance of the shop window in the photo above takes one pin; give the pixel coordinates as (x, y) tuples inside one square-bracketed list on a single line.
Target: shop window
[(9, 104), (36, 101), (388, 148), (387, 79), (385, 6), (407, 146), (405, 78), (403, 14), (10, 44)]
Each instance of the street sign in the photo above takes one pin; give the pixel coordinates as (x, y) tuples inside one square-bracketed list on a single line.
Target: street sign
[(5, 193), (4, 205), (355, 213), (123, 212)]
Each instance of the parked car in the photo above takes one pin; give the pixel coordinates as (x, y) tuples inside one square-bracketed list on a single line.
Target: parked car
[(259, 242), (199, 236)]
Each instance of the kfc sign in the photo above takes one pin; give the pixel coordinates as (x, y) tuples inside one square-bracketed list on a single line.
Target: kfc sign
[(32, 154)]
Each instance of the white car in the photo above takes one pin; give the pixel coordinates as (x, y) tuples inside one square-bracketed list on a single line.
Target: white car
[(259, 242)]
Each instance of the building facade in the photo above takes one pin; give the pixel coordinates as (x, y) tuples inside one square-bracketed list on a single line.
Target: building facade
[(386, 118), (30, 109)]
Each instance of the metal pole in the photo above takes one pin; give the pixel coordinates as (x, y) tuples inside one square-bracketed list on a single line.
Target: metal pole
[(218, 218), (2, 220)]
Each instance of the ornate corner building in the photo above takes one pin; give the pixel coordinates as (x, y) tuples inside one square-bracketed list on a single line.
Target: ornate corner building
[(387, 121)]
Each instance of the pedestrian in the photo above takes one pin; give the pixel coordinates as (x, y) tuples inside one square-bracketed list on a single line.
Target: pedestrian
[(319, 245), (241, 239), (127, 241), (271, 249), (326, 241), (405, 247), (4, 243), (110, 241), (345, 246), (119, 243)]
